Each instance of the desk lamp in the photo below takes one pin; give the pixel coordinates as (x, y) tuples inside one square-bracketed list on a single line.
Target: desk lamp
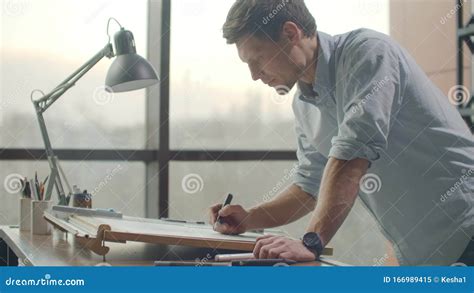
[(128, 72)]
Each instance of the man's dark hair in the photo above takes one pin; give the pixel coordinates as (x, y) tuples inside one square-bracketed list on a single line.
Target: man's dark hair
[(265, 19)]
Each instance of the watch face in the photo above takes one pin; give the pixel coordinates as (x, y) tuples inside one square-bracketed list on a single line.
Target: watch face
[(311, 239)]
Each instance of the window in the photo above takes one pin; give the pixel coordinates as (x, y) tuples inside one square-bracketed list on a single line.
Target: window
[(214, 102), (215, 105), (196, 186), (39, 51), (117, 185)]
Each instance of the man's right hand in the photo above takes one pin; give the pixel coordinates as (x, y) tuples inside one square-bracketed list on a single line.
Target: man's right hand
[(233, 217)]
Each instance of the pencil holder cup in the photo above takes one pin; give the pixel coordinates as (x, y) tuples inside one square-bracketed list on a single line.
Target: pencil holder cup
[(39, 225), (25, 214)]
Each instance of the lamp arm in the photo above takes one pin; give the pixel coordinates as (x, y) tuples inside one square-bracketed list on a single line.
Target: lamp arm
[(43, 103), (47, 100)]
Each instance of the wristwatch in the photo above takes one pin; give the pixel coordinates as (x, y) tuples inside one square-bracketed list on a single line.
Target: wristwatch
[(313, 243)]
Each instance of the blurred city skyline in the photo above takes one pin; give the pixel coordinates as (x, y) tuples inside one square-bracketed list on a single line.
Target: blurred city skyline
[(41, 51)]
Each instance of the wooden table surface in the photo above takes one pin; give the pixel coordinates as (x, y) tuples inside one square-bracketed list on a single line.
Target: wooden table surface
[(60, 249)]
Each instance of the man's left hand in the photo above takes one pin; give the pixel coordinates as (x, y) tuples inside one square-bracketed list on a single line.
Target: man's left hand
[(270, 246)]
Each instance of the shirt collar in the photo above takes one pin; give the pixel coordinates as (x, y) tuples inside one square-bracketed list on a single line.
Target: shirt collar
[(324, 81)]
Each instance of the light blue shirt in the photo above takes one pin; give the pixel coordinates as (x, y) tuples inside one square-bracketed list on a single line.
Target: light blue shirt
[(371, 100)]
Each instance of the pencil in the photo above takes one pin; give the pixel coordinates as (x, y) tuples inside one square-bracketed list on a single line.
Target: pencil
[(34, 191)]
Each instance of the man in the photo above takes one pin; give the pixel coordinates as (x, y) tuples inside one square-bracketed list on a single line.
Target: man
[(370, 124)]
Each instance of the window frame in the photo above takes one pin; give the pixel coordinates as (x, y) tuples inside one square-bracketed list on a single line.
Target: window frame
[(157, 155)]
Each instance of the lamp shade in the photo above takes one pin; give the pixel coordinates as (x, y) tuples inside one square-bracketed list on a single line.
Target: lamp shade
[(129, 71)]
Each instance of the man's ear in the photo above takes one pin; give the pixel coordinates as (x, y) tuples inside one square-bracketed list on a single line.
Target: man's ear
[(291, 33)]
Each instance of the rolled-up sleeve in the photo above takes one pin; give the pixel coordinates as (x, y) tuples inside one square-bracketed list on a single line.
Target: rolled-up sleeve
[(310, 166), (371, 96)]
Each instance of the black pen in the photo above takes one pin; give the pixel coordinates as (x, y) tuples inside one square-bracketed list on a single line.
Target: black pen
[(227, 201), (27, 190)]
